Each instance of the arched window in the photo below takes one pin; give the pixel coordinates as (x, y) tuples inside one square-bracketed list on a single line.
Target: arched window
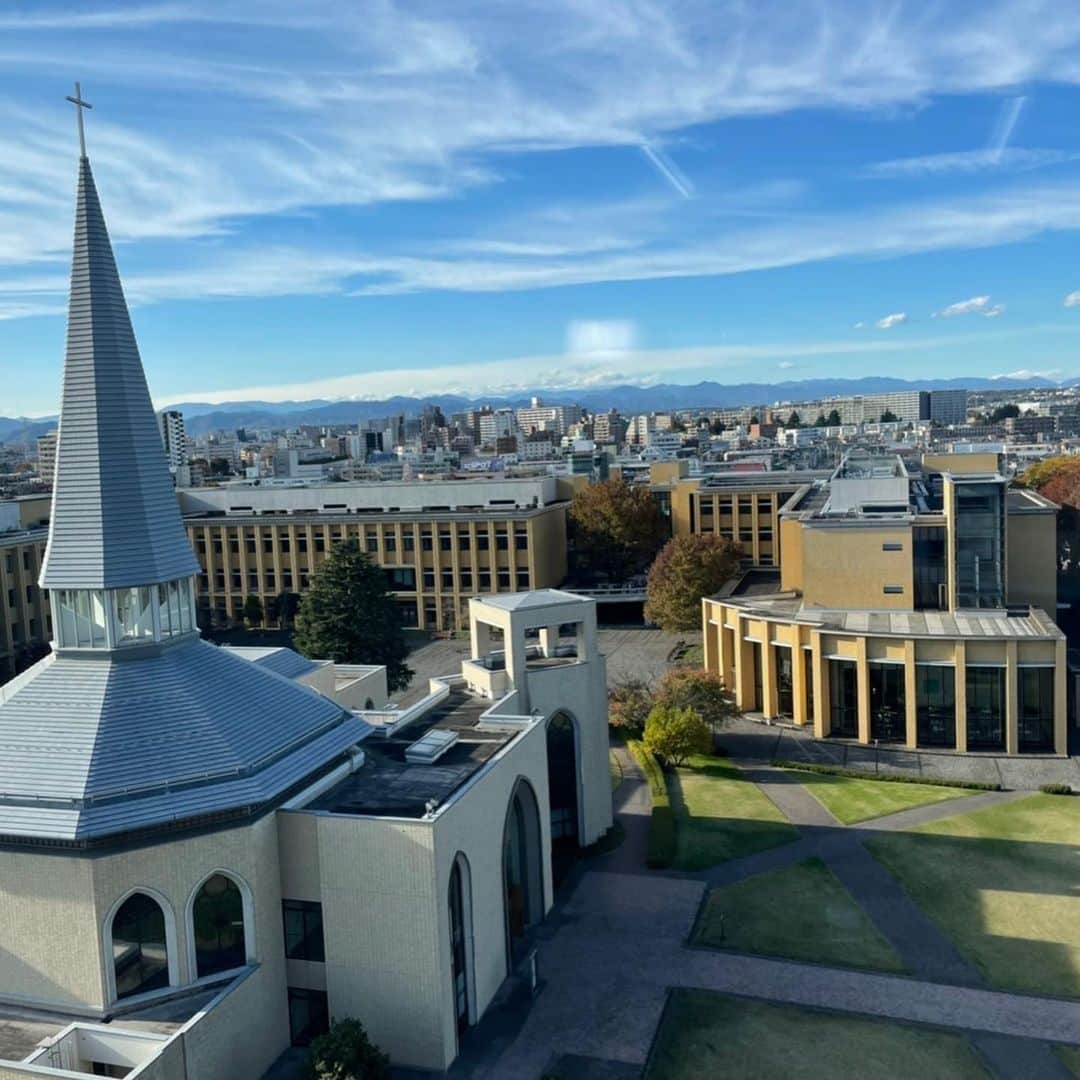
[(218, 926), (523, 872), (460, 917), (140, 952)]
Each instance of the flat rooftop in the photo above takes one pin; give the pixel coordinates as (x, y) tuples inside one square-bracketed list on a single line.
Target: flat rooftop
[(389, 785), (21, 1030), (966, 623)]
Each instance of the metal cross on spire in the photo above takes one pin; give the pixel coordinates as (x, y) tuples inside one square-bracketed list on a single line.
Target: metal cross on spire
[(79, 104)]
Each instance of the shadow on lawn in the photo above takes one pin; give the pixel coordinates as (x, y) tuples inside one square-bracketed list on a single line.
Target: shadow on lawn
[(966, 883), (704, 840)]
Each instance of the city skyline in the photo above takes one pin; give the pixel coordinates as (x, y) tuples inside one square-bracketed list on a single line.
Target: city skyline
[(319, 205)]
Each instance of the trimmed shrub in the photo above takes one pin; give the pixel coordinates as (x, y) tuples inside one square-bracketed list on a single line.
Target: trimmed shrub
[(346, 1053), (1055, 789), (887, 778), (674, 735)]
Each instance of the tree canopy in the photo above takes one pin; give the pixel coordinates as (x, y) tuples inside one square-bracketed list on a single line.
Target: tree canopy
[(629, 702), (673, 735), (1004, 412), (794, 420), (1058, 478), (889, 417), (688, 568), (833, 419), (348, 616), (618, 527), (697, 689)]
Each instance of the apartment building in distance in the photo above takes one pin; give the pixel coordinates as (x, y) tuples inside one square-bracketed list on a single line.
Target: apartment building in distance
[(909, 606), (439, 542), (25, 622), (46, 457)]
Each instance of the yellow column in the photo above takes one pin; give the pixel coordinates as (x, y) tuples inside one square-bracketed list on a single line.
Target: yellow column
[(744, 679), (1061, 699), (799, 660), (961, 696), (769, 706), (911, 715), (1012, 700), (710, 636), (820, 668), (862, 683)]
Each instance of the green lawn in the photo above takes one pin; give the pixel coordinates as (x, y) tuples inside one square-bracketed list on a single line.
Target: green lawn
[(706, 1035), (721, 815), (1004, 884), (1071, 1056), (849, 799), (802, 912)]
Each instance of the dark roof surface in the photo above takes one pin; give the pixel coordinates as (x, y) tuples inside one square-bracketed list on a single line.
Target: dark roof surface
[(389, 785)]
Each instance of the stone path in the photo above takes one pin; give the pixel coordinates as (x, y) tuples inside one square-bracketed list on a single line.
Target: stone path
[(620, 943)]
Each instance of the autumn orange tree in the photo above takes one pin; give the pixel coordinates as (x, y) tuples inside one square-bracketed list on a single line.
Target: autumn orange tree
[(1057, 478), (618, 527), (688, 568)]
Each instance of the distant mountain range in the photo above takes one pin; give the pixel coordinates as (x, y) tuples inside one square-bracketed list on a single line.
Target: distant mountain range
[(201, 416)]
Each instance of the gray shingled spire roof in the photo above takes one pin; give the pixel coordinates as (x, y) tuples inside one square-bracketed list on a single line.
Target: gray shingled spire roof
[(115, 518), (97, 745)]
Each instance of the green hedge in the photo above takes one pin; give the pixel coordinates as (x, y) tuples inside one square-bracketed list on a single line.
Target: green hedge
[(661, 851), (887, 778), (1056, 789)]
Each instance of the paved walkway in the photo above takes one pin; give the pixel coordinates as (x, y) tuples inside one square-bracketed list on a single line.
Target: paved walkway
[(620, 943)]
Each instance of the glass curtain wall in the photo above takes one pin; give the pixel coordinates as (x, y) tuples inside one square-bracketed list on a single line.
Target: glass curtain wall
[(785, 697), (986, 708), (935, 705), (843, 699), (1036, 692), (888, 722), (979, 536)]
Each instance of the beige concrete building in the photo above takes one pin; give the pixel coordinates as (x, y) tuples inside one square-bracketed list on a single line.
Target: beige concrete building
[(207, 853), (907, 607), (741, 507), (25, 621), (440, 542)]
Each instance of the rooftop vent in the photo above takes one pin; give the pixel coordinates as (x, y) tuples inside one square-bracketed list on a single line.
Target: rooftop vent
[(427, 750)]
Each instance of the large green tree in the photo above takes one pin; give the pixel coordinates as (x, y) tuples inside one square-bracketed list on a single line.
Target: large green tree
[(688, 568), (350, 617), (618, 527)]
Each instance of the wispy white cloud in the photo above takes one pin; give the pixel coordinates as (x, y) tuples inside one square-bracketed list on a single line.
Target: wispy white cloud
[(1005, 126), (1073, 299), (1053, 374), (569, 370), (388, 101), (976, 305), (887, 322), (600, 338)]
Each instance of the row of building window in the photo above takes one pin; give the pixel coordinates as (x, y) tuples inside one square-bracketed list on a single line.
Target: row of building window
[(283, 544), (398, 579)]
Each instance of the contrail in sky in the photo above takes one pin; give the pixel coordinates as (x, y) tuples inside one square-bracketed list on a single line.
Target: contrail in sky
[(668, 170), (1006, 123)]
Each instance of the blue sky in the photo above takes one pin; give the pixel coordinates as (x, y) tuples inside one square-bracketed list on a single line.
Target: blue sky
[(354, 200)]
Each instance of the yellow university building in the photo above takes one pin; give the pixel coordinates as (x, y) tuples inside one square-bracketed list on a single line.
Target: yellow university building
[(906, 606)]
